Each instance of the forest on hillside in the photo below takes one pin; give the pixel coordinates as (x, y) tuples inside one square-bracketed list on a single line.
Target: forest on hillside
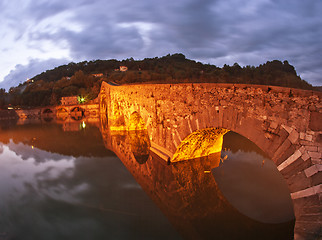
[(79, 79)]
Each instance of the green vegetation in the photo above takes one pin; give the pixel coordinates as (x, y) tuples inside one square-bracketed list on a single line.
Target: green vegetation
[(77, 78)]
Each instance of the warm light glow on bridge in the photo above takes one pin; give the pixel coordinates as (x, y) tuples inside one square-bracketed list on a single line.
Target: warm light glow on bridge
[(200, 144), (136, 122)]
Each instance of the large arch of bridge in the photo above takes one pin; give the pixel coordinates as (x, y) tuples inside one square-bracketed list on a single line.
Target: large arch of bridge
[(253, 130)]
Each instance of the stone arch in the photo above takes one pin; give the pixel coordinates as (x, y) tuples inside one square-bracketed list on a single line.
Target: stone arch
[(47, 111), (62, 114), (139, 138), (208, 143), (47, 114), (77, 113), (285, 126), (282, 144)]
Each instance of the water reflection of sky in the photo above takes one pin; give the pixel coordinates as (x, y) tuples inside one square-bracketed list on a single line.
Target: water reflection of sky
[(51, 196), (251, 183)]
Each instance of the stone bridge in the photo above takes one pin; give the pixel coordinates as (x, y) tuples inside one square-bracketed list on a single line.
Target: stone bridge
[(61, 112), (285, 123)]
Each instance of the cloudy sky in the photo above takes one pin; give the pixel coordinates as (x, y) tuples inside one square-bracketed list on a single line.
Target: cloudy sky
[(37, 35)]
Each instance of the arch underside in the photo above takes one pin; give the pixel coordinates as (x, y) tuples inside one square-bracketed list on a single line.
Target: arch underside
[(200, 143)]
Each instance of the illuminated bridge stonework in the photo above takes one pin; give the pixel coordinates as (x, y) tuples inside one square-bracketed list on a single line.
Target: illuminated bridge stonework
[(285, 123)]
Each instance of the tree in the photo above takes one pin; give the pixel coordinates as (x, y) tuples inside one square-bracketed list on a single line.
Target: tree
[(3, 96)]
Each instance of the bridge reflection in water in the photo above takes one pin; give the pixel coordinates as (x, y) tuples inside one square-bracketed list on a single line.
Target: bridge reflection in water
[(187, 191)]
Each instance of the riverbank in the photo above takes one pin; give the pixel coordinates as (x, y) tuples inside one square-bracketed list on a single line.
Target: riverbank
[(8, 114)]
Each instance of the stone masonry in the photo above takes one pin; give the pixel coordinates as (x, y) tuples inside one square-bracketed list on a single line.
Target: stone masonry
[(285, 123)]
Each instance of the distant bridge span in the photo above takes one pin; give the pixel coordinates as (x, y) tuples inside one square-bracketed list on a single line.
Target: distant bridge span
[(285, 123), (61, 112)]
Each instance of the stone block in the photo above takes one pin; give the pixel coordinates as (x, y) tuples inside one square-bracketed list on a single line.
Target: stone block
[(276, 141), (203, 119), (302, 149), (310, 191), (312, 209), (273, 125), (300, 232), (306, 143), (314, 154), (311, 148), (316, 160), (315, 121), (317, 179), (314, 218), (301, 203), (310, 132), (220, 117), (286, 154), (312, 170), (294, 135), (298, 166), (308, 137), (287, 128), (298, 182), (290, 160), (305, 156), (302, 135)]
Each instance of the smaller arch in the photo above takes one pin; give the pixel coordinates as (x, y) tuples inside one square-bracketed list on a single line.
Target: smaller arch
[(139, 138), (77, 113), (78, 109), (47, 115), (61, 110), (62, 114), (47, 111)]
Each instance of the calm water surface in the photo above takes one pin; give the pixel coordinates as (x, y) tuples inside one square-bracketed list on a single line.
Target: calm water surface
[(59, 181)]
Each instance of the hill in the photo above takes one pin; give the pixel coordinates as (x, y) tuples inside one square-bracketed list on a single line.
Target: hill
[(85, 78)]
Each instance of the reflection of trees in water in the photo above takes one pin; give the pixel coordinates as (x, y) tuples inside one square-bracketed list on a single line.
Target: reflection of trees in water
[(51, 137), (48, 119), (235, 142), (7, 124)]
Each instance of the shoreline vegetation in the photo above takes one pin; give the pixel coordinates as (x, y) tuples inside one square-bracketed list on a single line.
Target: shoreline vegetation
[(84, 78)]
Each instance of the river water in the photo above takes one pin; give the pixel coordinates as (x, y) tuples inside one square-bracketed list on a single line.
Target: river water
[(61, 181)]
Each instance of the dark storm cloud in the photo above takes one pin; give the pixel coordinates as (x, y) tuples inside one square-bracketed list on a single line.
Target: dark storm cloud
[(102, 41), (217, 32), (22, 72), (44, 9)]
